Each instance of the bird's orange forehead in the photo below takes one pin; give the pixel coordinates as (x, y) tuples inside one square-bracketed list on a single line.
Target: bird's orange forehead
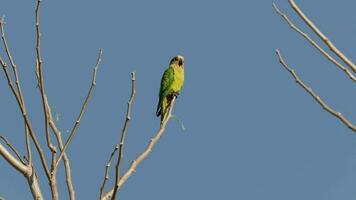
[(180, 58)]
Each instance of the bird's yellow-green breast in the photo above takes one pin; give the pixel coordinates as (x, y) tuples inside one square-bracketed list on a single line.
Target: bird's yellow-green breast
[(178, 79)]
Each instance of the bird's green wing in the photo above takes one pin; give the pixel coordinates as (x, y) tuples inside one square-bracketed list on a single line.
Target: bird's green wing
[(166, 83)]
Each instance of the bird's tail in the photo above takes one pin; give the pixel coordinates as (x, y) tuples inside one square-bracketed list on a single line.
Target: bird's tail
[(159, 108), (163, 106)]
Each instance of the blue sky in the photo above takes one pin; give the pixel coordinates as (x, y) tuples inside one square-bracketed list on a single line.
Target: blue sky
[(251, 132)]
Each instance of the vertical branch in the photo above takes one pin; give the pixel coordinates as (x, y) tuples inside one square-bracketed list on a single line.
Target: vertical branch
[(13, 65), (40, 81), (52, 180), (124, 130), (82, 111), (18, 87), (66, 162), (35, 187), (28, 146)]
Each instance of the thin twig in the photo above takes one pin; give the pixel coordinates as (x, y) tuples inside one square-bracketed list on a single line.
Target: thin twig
[(314, 95), (124, 130), (28, 145), (107, 169), (26, 119), (325, 39), (39, 66), (76, 124), (313, 43), (18, 87), (13, 149), (8, 53), (143, 155)]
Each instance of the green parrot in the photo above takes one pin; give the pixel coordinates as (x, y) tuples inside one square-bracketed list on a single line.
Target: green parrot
[(171, 84)]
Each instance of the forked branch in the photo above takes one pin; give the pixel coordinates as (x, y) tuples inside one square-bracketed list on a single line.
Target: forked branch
[(13, 149), (66, 162), (17, 164), (143, 155), (107, 170), (25, 117)]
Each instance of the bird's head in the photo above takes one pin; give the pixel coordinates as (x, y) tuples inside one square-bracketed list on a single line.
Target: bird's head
[(178, 61)]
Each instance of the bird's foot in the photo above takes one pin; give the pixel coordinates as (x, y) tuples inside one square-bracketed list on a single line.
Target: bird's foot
[(176, 94)]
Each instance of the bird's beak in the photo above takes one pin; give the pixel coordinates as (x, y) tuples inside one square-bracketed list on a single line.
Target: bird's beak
[(180, 62)]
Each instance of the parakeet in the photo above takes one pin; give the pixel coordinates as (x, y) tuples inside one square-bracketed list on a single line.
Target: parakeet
[(171, 84)]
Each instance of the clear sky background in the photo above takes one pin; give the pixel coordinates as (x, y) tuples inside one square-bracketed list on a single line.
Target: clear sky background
[(251, 132)]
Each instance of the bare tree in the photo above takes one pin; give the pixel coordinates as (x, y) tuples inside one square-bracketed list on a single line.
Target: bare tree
[(57, 148), (345, 64)]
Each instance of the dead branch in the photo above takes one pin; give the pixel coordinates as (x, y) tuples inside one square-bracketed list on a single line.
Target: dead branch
[(16, 163), (107, 170), (321, 35), (39, 62), (325, 106), (18, 87), (25, 117), (66, 162), (314, 44), (13, 149), (41, 85), (143, 155), (26, 170), (124, 131), (82, 111)]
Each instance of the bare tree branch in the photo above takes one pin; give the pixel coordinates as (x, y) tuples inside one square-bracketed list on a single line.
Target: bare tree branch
[(107, 169), (76, 124), (8, 53), (66, 162), (13, 149), (315, 96), (52, 179), (41, 83), (35, 187), (325, 39), (143, 155), (26, 119), (26, 170), (124, 131), (313, 43), (16, 163), (28, 145), (18, 86)]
